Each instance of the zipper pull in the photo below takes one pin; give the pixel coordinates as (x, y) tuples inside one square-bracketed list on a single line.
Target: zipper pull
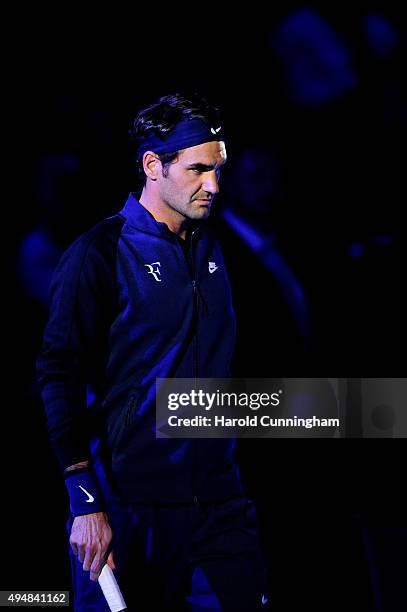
[(199, 297), (130, 407)]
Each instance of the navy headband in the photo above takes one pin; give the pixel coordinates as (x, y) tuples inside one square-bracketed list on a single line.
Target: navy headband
[(187, 133)]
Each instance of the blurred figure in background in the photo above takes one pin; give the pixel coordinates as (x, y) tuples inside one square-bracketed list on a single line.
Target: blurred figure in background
[(273, 319), (58, 181), (316, 61), (344, 116)]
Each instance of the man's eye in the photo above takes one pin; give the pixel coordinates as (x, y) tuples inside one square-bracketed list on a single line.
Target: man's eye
[(196, 170)]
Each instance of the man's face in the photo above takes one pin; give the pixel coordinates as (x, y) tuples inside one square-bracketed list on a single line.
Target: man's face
[(191, 181)]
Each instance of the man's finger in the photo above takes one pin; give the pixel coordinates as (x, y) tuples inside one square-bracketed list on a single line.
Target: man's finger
[(110, 561), (97, 563), (88, 560), (94, 577), (81, 553), (96, 567)]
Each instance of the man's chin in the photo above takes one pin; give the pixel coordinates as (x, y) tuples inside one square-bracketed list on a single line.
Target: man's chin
[(200, 213)]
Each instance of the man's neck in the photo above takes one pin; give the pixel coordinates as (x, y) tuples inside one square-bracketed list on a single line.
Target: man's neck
[(163, 214)]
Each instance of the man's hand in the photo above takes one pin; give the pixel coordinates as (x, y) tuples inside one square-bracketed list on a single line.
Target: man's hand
[(90, 539)]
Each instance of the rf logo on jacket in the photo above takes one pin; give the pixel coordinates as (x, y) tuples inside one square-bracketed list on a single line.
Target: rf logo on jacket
[(154, 271)]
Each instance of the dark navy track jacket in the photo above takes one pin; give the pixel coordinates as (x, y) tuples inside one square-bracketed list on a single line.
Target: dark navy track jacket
[(127, 307)]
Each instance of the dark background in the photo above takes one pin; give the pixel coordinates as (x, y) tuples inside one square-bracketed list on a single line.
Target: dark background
[(322, 93)]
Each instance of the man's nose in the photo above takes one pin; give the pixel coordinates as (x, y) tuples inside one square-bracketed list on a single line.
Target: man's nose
[(210, 183)]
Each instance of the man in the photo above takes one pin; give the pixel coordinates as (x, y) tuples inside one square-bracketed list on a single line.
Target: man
[(143, 295)]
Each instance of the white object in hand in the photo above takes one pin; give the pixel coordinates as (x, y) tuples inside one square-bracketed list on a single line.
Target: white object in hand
[(111, 590)]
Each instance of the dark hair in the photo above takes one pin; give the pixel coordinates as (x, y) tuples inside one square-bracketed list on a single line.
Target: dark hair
[(161, 117)]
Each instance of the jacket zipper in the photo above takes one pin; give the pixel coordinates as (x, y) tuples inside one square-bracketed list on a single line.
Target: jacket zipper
[(196, 308), (129, 410), (196, 297), (194, 350)]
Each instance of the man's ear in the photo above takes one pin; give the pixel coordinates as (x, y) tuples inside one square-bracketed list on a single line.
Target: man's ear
[(151, 165)]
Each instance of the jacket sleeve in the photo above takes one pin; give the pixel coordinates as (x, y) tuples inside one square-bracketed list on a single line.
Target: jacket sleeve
[(74, 342)]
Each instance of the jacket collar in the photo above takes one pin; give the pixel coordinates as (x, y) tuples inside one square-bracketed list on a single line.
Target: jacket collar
[(139, 217)]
